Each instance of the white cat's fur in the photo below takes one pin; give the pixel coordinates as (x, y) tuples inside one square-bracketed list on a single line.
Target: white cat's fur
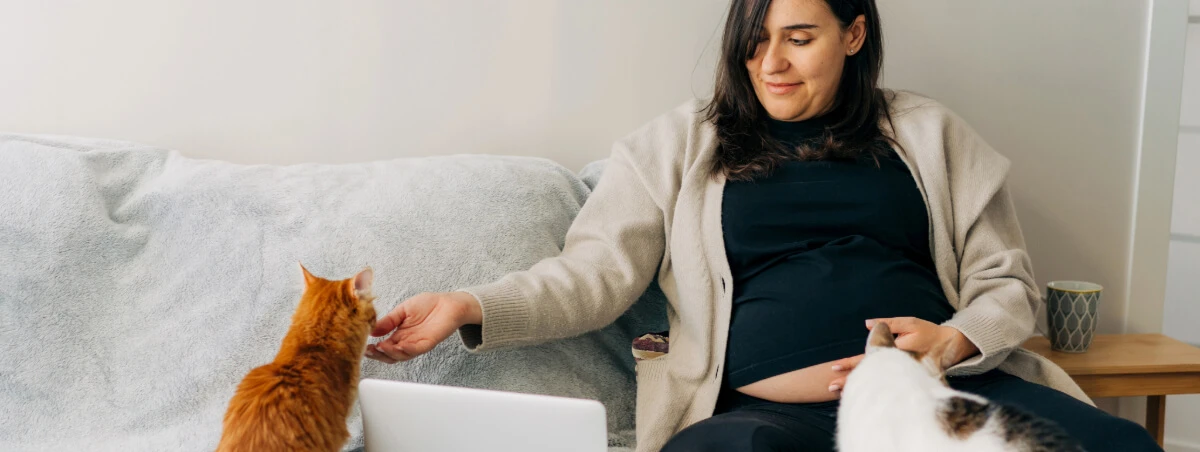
[(893, 399)]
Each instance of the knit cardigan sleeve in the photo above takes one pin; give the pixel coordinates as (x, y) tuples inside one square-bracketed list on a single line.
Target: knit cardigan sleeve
[(996, 287), (609, 257), (997, 295)]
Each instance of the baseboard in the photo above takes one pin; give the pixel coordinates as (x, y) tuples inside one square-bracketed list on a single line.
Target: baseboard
[(1180, 446)]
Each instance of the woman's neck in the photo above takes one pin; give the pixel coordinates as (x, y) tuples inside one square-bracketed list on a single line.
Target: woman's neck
[(796, 132)]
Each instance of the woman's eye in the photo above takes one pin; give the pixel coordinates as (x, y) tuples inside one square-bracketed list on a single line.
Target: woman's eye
[(800, 42)]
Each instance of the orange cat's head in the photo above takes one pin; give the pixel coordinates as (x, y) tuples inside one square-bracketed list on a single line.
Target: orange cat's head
[(338, 309)]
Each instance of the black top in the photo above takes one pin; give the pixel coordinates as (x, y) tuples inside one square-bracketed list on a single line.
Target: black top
[(817, 248)]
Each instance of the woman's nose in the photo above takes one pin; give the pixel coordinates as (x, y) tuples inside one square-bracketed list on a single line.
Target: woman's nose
[(773, 61)]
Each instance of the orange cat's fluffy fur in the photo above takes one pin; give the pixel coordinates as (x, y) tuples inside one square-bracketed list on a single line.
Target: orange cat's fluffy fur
[(300, 401)]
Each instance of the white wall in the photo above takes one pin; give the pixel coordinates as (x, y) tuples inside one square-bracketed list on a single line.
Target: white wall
[(1182, 311), (1060, 95), (1063, 93), (326, 81)]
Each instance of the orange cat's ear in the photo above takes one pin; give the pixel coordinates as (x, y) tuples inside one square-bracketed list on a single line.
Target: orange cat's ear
[(362, 283), (308, 277)]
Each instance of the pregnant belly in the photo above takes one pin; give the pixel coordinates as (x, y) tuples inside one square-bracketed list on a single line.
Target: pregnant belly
[(792, 320), (807, 385)]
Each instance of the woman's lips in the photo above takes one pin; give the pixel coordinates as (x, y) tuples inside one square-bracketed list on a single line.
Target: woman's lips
[(781, 88)]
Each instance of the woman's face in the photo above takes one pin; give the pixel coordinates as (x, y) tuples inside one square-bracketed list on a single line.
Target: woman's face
[(798, 63)]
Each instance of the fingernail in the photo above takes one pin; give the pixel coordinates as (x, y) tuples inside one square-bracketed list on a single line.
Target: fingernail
[(834, 388), (870, 323), (837, 367)]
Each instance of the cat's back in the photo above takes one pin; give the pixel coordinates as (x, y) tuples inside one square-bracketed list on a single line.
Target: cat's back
[(1037, 433), (951, 423), (1012, 428), (276, 409)]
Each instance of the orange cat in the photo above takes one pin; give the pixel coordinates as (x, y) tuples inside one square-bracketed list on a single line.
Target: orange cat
[(300, 401)]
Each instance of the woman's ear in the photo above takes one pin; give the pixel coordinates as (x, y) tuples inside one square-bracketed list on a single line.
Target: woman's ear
[(856, 35)]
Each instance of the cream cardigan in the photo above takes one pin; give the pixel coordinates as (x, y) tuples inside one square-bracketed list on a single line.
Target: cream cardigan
[(657, 210)]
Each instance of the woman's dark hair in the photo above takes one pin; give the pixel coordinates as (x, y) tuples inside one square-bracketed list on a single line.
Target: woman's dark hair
[(745, 148)]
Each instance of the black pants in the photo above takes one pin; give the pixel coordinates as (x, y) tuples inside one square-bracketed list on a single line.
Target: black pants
[(745, 423)]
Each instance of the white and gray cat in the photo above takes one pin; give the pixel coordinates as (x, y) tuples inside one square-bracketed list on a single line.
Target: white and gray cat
[(899, 401)]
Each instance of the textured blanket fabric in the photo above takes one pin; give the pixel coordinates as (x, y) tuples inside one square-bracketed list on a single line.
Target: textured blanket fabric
[(137, 287)]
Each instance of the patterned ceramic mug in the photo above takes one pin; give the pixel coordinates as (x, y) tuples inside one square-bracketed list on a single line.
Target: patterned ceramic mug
[(1072, 310)]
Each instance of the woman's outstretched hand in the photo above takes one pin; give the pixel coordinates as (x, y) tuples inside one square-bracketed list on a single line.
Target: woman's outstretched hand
[(420, 323)]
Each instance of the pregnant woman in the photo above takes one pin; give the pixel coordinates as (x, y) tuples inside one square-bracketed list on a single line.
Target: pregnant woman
[(783, 217)]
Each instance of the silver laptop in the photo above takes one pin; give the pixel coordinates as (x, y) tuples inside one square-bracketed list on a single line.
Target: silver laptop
[(411, 417)]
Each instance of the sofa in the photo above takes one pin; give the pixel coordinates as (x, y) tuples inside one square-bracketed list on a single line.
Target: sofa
[(138, 286)]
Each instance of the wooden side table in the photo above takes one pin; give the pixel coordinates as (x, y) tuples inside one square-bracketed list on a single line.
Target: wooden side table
[(1132, 365)]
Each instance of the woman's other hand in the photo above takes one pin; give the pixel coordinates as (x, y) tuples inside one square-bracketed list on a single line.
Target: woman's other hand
[(914, 335), (920, 336)]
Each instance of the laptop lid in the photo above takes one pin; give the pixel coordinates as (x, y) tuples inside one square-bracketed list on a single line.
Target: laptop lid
[(413, 417)]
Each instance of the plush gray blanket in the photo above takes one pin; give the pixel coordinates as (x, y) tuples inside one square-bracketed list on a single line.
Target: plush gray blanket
[(137, 286)]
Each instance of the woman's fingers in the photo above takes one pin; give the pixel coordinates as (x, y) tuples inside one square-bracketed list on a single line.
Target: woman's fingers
[(847, 364), (842, 367), (374, 353), (394, 348), (913, 334), (837, 384), (913, 343), (899, 325), (389, 321), (386, 350)]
